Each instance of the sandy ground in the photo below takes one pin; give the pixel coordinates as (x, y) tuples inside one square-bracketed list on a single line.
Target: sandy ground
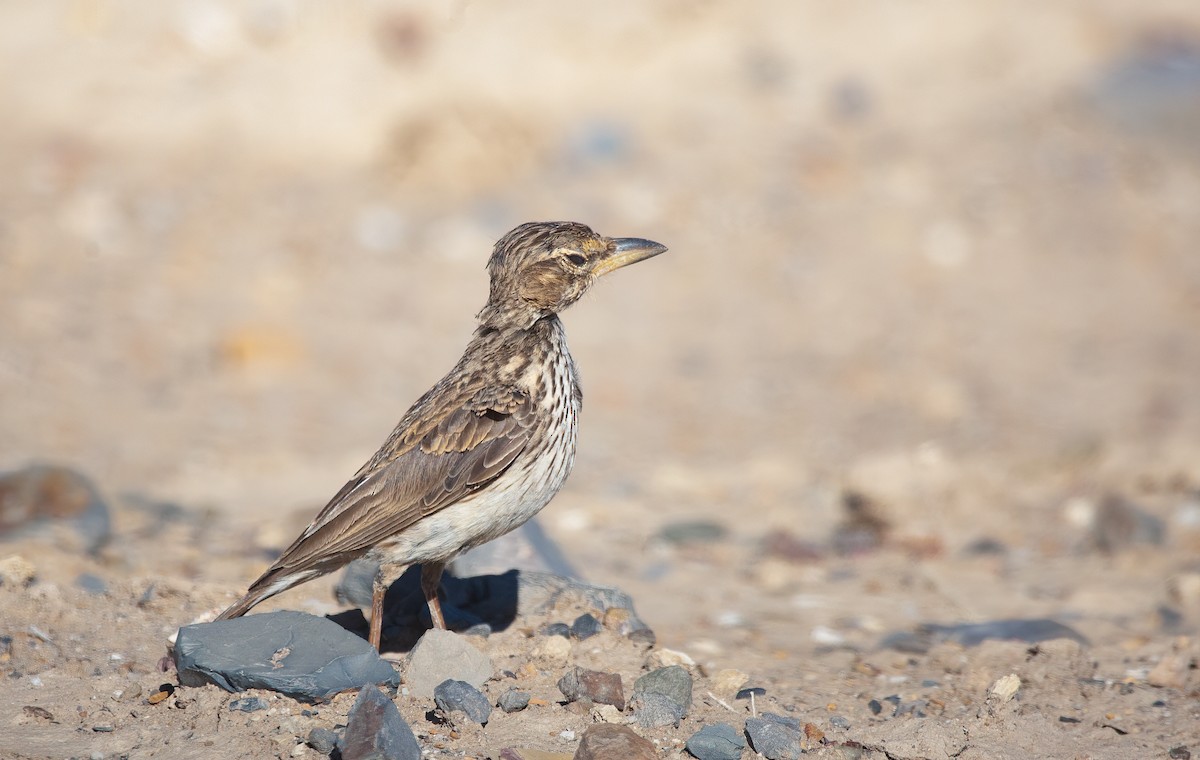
[(940, 254)]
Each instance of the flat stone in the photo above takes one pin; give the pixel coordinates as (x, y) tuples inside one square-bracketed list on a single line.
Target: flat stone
[(774, 739), (604, 688), (608, 741), (673, 682), (1032, 631), (442, 656), (513, 700), (719, 741), (306, 657), (655, 710), (460, 696), (376, 731)]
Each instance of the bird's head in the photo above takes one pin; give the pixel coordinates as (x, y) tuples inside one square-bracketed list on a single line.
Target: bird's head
[(541, 268)]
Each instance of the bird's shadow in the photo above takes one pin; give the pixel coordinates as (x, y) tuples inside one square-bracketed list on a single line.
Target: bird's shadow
[(480, 603)]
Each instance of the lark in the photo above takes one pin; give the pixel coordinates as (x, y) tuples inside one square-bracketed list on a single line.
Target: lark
[(484, 449)]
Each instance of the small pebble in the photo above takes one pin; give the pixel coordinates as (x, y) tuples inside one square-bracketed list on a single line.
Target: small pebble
[(249, 704), (840, 722), (585, 626), (719, 741), (553, 651), (604, 688), (875, 707), (460, 696), (92, 584), (103, 728), (729, 681), (556, 629), (1179, 753), (662, 658), (513, 701)]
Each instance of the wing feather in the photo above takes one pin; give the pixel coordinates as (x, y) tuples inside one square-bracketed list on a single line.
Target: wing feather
[(460, 452)]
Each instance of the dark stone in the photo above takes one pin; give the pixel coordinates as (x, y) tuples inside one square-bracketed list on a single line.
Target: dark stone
[(249, 704), (586, 626), (719, 741), (875, 707), (604, 688), (1179, 753), (556, 629), (609, 741), (513, 700), (303, 656), (1030, 631), (460, 696), (322, 740), (774, 739), (376, 731), (753, 691)]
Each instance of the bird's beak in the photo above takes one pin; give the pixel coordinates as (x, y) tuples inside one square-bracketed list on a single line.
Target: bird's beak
[(627, 251)]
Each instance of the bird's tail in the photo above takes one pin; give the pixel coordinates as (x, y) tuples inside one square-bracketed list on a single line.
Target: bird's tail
[(262, 589)]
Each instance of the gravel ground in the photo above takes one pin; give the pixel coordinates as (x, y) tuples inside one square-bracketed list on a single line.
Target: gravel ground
[(923, 350)]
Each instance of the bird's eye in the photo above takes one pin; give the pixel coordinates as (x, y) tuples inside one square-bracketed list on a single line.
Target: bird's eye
[(578, 259)]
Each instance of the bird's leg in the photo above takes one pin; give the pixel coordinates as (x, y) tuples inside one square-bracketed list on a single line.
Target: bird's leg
[(431, 580), (377, 592), (385, 576)]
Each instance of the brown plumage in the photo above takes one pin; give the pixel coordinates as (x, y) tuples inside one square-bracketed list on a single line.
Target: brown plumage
[(484, 449)]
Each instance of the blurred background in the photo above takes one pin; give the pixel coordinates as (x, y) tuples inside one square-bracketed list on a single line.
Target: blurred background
[(942, 252)]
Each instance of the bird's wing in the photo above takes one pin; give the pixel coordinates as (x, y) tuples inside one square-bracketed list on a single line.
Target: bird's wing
[(423, 468)]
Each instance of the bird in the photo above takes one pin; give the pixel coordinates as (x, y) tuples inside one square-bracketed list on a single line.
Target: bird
[(484, 449)]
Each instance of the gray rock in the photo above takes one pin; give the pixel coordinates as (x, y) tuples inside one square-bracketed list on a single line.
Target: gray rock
[(249, 704), (306, 657), (840, 722), (376, 731), (442, 656), (719, 741), (322, 740), (673, 682), (541, 592), (972, 634), (586, 626), (772, 737), (513, 700), (605, 688), (654, 710), (460, 696)]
